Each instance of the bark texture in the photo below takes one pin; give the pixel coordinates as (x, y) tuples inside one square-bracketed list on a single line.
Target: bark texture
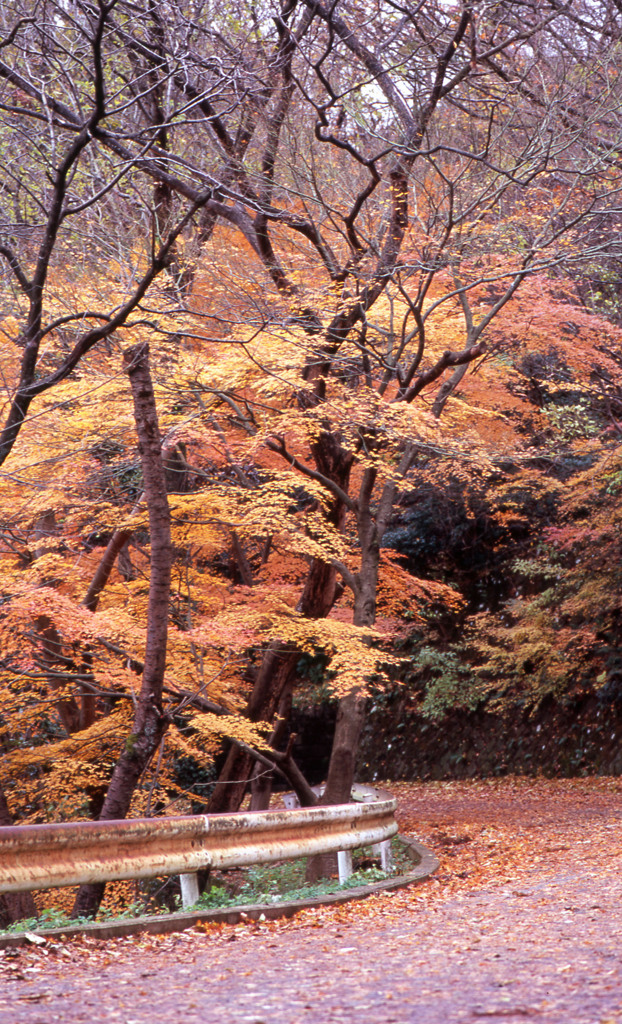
[(149, 721)]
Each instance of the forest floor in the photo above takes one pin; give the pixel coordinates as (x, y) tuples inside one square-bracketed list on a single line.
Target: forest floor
[(522, 921)]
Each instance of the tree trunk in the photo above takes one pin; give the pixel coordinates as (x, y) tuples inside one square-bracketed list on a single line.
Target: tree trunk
[(348, 728), (51, 658), (14, 906), (261, 781), (279, 661), (351, 713), (149, 722), (352, 707)]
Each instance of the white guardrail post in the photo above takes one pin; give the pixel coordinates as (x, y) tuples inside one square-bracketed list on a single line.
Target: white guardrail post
[(344, 865), (51, 856), (189, 889)]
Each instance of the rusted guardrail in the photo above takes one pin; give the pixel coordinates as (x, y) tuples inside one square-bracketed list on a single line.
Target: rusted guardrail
[(46, 856)]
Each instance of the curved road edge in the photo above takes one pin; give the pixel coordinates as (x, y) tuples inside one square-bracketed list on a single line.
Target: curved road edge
[(426, 864)]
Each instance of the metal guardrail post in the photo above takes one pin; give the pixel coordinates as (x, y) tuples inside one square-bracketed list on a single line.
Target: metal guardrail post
[(364, 795), (344, 865), (386, 856), (189, 889)]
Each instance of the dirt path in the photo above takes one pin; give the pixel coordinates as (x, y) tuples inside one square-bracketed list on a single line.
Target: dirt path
[(523, 921)]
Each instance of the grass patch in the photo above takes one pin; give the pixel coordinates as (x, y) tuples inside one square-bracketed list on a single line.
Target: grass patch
[(58, 919), (285, 880)]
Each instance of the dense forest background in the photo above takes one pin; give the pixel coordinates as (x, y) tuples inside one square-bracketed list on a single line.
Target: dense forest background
[(311, 453)]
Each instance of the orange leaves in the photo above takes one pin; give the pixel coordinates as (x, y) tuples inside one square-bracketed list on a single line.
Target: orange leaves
[(546, 320), (295, 441), (406, 599)]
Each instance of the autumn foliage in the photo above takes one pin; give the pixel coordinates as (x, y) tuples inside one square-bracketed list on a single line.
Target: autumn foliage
[(369, 292)]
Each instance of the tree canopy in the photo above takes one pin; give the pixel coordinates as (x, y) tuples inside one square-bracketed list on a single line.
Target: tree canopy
[(284, 286)]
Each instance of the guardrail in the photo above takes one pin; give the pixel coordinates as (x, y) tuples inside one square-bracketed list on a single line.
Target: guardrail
[(50, 856)]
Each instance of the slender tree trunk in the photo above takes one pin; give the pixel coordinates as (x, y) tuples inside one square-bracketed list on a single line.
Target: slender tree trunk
[(351, 713), (14, 906), (51, 658), (352, 707), (149, 722)]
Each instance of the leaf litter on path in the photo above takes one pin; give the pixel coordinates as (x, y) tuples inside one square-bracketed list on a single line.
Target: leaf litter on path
[(522, 921)]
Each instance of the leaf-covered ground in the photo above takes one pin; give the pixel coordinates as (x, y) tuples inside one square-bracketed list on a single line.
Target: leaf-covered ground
[(523, 921)]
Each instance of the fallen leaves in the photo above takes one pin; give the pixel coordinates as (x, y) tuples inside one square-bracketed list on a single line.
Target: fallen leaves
[(509, 849)]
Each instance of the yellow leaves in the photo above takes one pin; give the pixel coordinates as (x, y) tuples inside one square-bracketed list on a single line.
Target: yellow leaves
[(352, 660), (353, 666), (97, 744), (201, 520), (210, 727), (266, 361), (51, 571), (286, 506), (181, 745), (9, 329), (351, 652)]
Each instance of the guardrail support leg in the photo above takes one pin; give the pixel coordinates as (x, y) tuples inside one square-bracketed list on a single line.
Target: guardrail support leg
[(189, 889), (386, 856), (383, 850), (344, 864)]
